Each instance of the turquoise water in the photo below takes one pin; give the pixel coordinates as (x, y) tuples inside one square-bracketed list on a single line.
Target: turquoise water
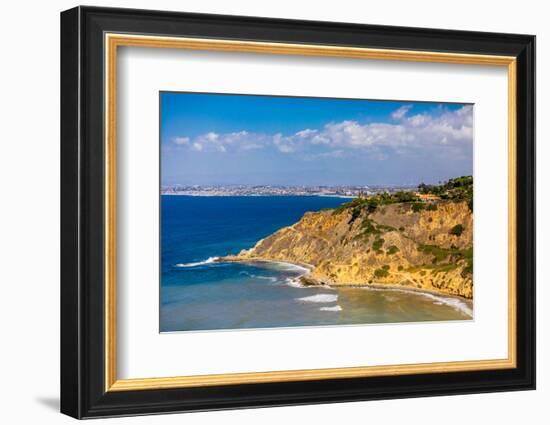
[(197, 293)]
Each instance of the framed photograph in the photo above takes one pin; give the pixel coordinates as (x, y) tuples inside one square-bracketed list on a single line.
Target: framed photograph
[(261, 212)]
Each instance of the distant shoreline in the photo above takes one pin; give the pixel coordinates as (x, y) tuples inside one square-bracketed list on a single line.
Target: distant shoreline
[(259, 195)]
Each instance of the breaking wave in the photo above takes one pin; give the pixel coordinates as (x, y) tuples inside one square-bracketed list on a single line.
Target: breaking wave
[(455, 303), (209, 260), (333, 308), (294, 282), (289, 267), (257, 276), (320, 298)]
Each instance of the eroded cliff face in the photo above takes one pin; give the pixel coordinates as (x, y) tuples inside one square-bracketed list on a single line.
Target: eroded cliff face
[(429, 249)]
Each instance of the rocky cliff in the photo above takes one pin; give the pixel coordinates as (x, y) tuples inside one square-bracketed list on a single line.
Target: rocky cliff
[(428, 248)]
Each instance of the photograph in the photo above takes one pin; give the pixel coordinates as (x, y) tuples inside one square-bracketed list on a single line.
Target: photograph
[(280, 211)]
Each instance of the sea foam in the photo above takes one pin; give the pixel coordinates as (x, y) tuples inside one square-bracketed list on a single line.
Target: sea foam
[(320, 298), (256, 276), (209, 260), (333, 308), (294, 282), (282, 266), (455, 303)]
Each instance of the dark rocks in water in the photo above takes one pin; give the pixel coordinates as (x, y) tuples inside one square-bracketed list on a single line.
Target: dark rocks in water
[(309, 281)]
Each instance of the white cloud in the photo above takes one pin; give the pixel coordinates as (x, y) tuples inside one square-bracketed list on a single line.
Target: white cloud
[(449, 129), (418, 120), (182, 140), (211, 137), (251, 146), (216, 142), (400, 113), (284, 144), (306, 133)]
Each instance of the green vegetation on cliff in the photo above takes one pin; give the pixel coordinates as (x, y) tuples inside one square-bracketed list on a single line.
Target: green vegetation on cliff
[(457, 230), (459, 189)]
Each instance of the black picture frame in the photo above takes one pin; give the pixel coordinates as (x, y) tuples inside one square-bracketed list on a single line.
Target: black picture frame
[(83, 392)]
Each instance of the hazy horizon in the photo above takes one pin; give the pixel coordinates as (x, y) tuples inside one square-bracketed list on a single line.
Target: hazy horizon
[(217, 140), (288, 185)]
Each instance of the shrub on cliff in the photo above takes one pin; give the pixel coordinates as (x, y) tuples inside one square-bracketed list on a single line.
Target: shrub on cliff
[(377, 244), (372, 204), (356, 212), (392, 250), (417, 206), (404, 196), (457, 230), (381, 272)]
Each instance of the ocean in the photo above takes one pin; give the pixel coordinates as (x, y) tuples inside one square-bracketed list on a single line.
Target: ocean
[(197, 293)]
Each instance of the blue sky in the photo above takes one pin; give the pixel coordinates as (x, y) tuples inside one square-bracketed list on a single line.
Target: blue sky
[(243, 139)]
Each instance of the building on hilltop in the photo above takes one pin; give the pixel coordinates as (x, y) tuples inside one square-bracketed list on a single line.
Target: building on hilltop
[(427, 197)]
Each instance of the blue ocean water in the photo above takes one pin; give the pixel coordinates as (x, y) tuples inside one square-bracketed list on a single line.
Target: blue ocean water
[(199, 294)]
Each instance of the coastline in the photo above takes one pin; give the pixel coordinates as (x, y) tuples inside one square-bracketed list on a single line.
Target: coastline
[(311, 281), (230, 259)]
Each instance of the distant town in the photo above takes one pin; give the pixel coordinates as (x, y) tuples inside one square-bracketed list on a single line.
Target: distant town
[(268, 190)]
